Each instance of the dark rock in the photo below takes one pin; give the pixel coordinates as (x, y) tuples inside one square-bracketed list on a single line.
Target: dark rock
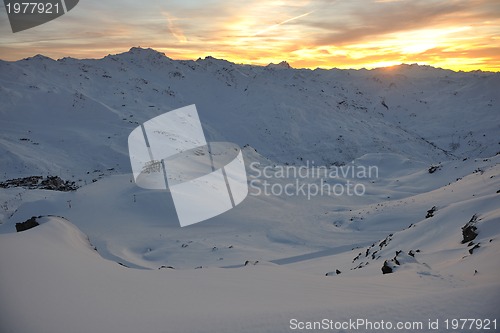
[(384, 105), (469, 230), (386, 269), (401, 258), (28, 224), (475, 247), (163, 267), (27, 182), (430, 212), (337, 272), (54, 183), (434, 168), (383, 243)]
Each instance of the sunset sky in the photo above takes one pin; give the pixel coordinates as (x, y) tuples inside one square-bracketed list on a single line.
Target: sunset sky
[(454, 34)]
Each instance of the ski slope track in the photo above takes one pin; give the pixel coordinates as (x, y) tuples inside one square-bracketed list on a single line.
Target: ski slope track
[(111, 257)]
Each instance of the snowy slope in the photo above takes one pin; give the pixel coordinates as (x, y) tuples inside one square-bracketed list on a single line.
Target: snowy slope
[(78, 291), (288, 115), (431, 133)]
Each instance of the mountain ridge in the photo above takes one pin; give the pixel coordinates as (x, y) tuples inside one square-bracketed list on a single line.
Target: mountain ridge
[(350, 112), (138, 50)]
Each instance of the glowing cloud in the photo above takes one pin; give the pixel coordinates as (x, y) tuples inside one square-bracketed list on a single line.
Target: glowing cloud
[(460, 35), (281, 23)]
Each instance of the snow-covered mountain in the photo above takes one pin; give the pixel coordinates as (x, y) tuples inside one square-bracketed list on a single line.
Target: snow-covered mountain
[(429, 215), (288, 115)]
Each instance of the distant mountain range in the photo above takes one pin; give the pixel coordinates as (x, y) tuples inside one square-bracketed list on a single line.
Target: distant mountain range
[(79, 112)]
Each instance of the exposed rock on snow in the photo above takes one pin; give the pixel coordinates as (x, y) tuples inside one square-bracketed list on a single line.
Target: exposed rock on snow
[(53, 183), (386, 268), (28, 224), (469, 230), (399, 259), (430, 212), (333, 273)]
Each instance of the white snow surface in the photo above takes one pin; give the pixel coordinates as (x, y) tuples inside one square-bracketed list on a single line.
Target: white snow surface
[(309, 259)]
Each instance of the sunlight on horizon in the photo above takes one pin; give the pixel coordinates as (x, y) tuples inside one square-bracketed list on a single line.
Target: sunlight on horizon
[(306, 33)]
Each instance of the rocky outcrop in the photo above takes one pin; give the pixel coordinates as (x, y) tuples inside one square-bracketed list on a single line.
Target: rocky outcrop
[(28, 224), (53, 183), (469, 230)]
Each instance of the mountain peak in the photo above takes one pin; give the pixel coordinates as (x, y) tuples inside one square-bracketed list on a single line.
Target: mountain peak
[(283, 65), (137, 50), (39, 57), (212, 60), (141, 55)]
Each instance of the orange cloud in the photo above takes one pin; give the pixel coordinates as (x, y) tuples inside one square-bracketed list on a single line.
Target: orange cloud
[(456, 34)]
